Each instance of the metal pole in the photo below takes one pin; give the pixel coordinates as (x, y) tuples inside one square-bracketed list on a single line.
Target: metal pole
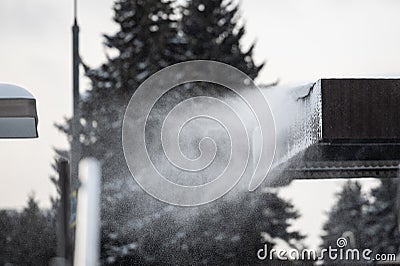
[(75, 146), (87, 241), (64, 250), (75, 153)]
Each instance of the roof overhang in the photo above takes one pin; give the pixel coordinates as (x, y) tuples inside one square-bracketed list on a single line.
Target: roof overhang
[(341, 128)]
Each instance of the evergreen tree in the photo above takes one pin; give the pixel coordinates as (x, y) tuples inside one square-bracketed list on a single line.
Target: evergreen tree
[(27, 238), (136, 229), (212, 32), (146, 42), (346, 218), (226, 232), (7, 224), (234, 230), (381, 223)]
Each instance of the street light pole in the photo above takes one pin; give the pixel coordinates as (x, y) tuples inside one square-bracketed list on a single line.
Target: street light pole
[(75, 146)]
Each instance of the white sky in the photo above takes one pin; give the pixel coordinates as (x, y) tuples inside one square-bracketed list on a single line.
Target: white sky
[(301, 40)]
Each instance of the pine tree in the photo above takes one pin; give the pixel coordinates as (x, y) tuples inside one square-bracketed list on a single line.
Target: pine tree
[(373, 223), (135, 227), (381, 223), (146, 42), (7, 224), (212, 31), (346, 218), (226, 232), (29, 237), (234, 230)]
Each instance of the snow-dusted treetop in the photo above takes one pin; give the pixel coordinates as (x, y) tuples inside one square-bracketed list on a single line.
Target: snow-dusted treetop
[(8, 91)]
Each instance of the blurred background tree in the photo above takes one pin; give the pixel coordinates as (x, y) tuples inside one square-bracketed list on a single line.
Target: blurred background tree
[(346, 219), (368, 221), (152, 35), (381, 223), (213, 30), (347, 215), (27, 237)]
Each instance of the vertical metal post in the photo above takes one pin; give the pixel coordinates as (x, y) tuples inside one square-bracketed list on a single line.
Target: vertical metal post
[(87, 241), (75, 149), (63, 233), (75, 146)]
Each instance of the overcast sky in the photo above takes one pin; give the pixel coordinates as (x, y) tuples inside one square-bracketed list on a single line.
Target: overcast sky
[(301, 41)]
